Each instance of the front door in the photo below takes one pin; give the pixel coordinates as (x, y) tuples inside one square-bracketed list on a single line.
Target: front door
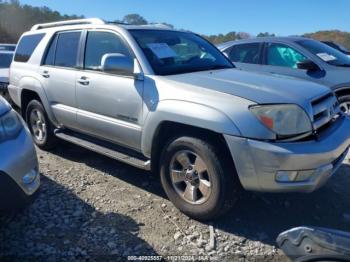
[(110, 106), (281, 59)]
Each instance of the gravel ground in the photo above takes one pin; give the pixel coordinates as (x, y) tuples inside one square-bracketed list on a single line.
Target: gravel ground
[(91, 207)]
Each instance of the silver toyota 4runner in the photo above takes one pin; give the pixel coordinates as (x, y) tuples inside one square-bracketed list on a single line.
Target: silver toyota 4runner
[(169, 101)]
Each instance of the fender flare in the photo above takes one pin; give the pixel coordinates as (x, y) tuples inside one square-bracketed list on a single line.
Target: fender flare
[(183, 112), (34, 85), (341, 88)]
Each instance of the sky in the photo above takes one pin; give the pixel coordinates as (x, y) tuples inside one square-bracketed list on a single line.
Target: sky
[(282, 17)]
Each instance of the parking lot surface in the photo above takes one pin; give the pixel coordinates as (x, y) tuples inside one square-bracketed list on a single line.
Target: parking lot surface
[(91, 207)]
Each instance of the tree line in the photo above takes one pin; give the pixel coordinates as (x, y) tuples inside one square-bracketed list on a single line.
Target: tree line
[(16, 19)]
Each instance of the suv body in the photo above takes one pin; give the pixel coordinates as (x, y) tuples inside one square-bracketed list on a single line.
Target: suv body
[(7, 47), (296, 57), (19, 174), (169, 101), (5, 62)]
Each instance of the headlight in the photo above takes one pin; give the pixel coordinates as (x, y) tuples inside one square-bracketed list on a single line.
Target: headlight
[(286, 120), (10, 125)]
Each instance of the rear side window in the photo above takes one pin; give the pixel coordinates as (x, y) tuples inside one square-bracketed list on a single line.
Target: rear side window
[(245, 53), (27, 46), (67, 49), (5, 59), (50, 55)]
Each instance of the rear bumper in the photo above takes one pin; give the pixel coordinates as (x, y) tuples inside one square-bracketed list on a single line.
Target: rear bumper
[(259, 162)]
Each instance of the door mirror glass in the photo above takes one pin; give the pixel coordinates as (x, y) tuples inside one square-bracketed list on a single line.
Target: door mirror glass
[(118, 64), (307, 65)]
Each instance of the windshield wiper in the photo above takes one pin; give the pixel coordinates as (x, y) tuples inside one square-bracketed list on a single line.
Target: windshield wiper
[(217, 67), (343, 65)]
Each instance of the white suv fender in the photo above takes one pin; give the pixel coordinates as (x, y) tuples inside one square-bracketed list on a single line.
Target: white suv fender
[(188, 113)]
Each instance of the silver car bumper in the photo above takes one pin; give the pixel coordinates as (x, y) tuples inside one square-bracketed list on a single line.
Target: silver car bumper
[(261, 165), (19, 164)]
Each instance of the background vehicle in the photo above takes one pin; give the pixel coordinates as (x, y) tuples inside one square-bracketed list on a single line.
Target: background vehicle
[(297, 57), (169, 101), (19, 175), (337, 46), (5, 62), (7, 47)]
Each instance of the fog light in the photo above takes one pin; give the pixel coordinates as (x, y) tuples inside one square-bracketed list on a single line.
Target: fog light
[(30, 177), (286, 176), (305, 175)]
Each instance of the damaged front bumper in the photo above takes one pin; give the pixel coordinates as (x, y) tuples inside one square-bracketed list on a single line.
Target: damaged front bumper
[(292, 166)]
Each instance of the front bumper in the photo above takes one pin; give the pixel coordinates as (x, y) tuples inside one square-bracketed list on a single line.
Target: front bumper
[(18, 163), (258, 162)]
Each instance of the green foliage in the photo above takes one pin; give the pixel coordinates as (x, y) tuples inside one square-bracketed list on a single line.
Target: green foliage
[(266, 34), (332, 35), (134, 19), (221, 38), (16, 18)]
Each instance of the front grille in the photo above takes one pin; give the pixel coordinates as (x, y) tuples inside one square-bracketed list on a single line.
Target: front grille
[(3, 86), (325, 109)]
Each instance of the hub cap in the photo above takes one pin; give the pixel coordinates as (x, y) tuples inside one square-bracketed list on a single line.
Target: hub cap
[(345, 107), (190, 177), (38, 125)]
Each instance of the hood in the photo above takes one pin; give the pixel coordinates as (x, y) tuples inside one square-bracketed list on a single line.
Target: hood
[(337, 76), (4, 75), (4, 106), (256, 87)]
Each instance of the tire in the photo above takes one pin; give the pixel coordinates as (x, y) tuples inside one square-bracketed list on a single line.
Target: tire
[(219, 172), (48, 139), (344, 102)]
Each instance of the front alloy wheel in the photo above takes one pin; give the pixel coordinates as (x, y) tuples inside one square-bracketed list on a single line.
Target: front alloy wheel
[(344, 104), (189, 177), (198, 177)]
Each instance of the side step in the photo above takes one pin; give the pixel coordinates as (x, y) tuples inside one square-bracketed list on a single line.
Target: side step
[(116, 152)]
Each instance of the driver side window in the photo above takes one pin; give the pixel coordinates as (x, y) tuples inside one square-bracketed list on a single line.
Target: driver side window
[(98, 44), (282, 55)]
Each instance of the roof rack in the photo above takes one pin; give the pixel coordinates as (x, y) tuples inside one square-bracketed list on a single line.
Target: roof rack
[(97, 21)]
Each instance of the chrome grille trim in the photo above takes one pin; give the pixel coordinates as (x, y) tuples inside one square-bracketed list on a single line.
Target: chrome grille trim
[(324, 109)]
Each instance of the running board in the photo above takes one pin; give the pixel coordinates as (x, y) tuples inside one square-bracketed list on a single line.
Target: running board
[(104, 148)]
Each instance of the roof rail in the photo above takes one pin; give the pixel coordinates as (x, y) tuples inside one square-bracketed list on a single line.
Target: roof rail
[(97, 21), (160, 25)]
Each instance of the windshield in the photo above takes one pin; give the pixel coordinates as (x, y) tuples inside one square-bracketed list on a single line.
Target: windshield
[(5, 60), (326, 53), (173, 52)]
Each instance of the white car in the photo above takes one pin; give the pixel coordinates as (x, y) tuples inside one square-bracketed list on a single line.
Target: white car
[(5, 62)]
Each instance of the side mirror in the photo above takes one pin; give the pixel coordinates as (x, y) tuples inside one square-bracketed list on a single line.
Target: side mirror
[(118, 64), (307, 65)]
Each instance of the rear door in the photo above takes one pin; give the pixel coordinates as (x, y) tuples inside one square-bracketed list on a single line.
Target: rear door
[(58, 72), (246, 56), (282, 59)]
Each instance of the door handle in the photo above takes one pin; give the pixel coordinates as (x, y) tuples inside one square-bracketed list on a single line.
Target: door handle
[(84, 81), (45, 74)]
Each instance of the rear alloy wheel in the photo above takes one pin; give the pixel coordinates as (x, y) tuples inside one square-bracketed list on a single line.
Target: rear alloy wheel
[(40, 125), (198, 179)]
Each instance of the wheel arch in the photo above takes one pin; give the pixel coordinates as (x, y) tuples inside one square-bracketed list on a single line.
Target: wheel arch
[(31, 89), (342, 91), (175, 118)]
